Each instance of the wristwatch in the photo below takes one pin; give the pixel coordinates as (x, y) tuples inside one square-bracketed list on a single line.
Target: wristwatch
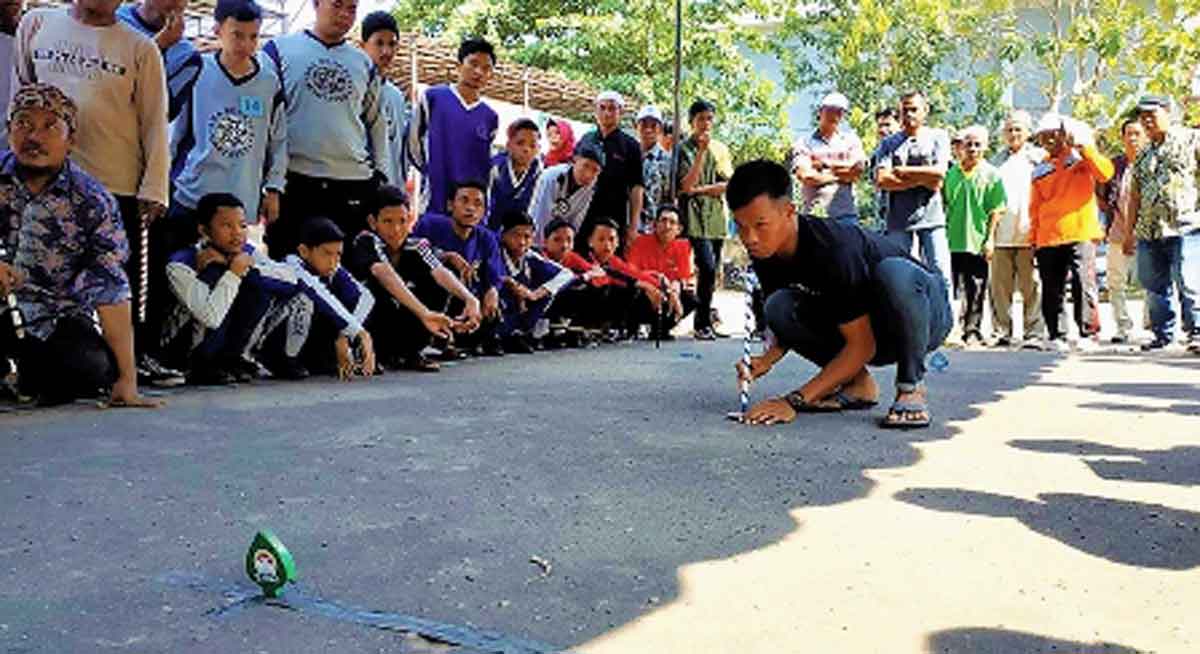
[(796, 400)]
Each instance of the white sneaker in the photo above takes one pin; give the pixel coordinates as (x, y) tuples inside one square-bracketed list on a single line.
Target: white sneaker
[(1087, 346), (1060, 345)]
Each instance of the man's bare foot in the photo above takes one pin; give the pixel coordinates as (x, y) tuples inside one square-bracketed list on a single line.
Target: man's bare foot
[(862, 387)]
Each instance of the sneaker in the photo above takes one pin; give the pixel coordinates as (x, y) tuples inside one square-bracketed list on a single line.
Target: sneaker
[(210, 376), (706, 334), (1060, 345), (288, 369), (492, 348), (518, 344), (245, 369), (451, 353), (1087, 345), (973, 340), (1193, 345), (1119, 339), (1033, 344), (1002, 341), (418, 363), (1155, 345), (153, 373)]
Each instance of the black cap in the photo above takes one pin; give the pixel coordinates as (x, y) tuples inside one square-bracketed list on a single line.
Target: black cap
[(319, 231), (590, 150), (1152, 103), (513, 219), (376, 21), (554, 226), (240, 10)]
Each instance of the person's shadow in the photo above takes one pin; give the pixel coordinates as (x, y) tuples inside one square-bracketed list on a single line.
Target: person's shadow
[(983, 640), (1130, 533), (1178, 465)]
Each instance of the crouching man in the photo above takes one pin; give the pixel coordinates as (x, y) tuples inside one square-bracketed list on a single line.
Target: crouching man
[(840, 297)]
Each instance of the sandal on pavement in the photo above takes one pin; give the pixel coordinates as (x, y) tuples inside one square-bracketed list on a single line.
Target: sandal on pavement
[(900, 416), (850, 403)]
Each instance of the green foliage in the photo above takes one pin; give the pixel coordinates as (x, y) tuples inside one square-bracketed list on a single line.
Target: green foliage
[(629, 45)]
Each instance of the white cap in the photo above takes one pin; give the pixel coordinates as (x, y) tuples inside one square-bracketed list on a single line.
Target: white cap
[(1080, 133), (1051, 122), (649, 111), (836, 100), (610, 96)]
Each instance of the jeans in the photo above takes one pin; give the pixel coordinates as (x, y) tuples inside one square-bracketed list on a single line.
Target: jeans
[(934, 249), (910, 317), (1074, 263), (1168, 263), (708, 261)]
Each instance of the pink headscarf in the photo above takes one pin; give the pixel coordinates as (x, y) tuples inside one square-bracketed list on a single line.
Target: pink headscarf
[(566, 150)]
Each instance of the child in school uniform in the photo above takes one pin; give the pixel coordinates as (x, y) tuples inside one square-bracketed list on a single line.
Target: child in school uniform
[(558, 238), (473, 252), (531, 283), (514, 173), (380, 34), (412, 286), (613, 290)]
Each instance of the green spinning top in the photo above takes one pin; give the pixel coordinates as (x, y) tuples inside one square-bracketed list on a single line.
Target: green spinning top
[(269, 563)]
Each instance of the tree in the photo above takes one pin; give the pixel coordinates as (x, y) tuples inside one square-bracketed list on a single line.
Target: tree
[(628, 45)]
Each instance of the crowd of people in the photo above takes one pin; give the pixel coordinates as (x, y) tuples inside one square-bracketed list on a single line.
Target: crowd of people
[(136, 163)]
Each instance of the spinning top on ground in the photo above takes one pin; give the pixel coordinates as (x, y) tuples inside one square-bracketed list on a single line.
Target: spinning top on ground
[(269, 563)]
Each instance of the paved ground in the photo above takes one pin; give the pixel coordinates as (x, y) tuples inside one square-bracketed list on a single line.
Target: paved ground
[(1052, 509)]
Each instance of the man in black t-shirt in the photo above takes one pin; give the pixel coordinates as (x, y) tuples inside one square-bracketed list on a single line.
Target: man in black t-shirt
[(839, 296)]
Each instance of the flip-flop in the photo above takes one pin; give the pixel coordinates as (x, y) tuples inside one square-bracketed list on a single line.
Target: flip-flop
[(851, 403), (898, 411)]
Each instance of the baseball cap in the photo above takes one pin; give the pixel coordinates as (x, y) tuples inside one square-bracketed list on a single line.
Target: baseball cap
[(610, 96), (649, 111), (590, 150), (1152, 103), (835, 100), (1050, 122), (242, 10)]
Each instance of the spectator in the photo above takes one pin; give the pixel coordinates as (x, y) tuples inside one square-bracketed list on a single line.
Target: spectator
[(558, 238), (911, 166), (887, 122), (337, 137), (530, 285), (10, 17), (1114, 198), (561, 138), (828, 162), (474, 254), (337, 341), (1164, 194), (606, 300), (63, 247), (974, 197), (121, 138), (842, 298), (412, 284), (564, 192), (452, 128), (228, 299), (669, 258), (704, 167), (163, 22), (667, 140), (514, 174), (380, 36), (620, 189), (1065, 225), (656, 165), (1012, 255)]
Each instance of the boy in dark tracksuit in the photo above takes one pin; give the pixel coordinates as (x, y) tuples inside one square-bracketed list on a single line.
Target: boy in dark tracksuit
[(530, 286), (412, 285)]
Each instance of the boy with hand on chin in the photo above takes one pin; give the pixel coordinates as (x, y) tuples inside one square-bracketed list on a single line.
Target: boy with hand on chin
[(530, 286), (474, 253), (406, 272)]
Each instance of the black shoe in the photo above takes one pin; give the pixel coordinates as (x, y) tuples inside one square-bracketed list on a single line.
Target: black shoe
[(288, 369), (419, 363), (152, 373), (244, 369), (210, 375), (492, 348), (706, 334), (451, 353), (518, 344), (1155, 345)]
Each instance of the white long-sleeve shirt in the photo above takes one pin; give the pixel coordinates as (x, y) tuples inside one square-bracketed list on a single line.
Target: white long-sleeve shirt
[(115, 76)]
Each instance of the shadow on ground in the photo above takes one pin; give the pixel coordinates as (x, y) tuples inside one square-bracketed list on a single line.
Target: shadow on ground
[(1176, 465), (429, 495), (1187, 396), (982, 640), (1129, 533)]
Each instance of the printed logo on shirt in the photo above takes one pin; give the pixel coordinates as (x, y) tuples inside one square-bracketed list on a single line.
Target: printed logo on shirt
[(231, 133), (329, 81), (78, 60)]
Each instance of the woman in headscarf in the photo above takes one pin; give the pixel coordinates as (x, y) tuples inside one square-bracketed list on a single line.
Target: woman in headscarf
[(562, 142)]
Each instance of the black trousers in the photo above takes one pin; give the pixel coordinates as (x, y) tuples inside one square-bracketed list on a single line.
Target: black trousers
[(161, 241), (595, 307), (396, 331), (708, 262), (970, 273), (644, 313), (232, 338), (73, 362), (345, 202), (1073, 264)]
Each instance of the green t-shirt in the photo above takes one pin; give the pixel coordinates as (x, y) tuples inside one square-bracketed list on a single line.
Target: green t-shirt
[(970, 200)]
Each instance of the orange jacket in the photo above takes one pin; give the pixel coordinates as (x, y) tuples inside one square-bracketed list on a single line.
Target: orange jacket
[(1062, 205)]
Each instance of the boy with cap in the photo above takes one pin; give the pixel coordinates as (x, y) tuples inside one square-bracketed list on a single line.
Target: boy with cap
[(565, 192), (342, 305), (705, 166), (61, 254), (1065, 226), (452, 128), (228, 298), (530, 285), (474, 253), (828, 162), (514, 173), (656, 165), (620, 188), (379, 38), (412, 284), (669, 258), (337, 138)]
